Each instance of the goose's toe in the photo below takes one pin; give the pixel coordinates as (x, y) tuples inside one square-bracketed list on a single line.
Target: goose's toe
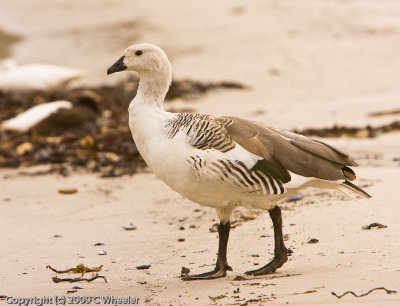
[(270, 267), (218, 272)]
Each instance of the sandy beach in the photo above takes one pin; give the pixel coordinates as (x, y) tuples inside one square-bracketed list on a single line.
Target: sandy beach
[(305, 64)]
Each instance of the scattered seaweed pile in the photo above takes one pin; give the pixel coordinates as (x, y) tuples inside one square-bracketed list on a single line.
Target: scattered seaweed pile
[(351, 131), (102, 145)]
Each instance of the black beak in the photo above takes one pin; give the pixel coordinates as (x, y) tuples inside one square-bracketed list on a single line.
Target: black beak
[(118, 66)]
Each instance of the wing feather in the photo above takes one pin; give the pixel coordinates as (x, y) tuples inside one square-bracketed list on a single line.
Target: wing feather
[(286, 151)]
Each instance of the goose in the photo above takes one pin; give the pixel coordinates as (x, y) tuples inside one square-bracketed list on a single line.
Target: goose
[(43, 77), (225, 162)]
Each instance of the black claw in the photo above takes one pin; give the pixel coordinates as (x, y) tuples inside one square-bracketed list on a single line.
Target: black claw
[(280, 250), (216, 273), (270, 267)]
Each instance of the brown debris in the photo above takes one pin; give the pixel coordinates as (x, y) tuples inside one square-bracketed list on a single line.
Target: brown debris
[(373, 225), (78, 279), (215, 298), (385, 113), (346, 131), (306, 292), (185, 271), (364, 294), (68, 191), (78, 269)]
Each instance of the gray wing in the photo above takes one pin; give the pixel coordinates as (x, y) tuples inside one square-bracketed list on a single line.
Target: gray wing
[(285, 151)]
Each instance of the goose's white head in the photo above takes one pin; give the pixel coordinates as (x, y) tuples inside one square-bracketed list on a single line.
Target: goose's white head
[(146, 59)]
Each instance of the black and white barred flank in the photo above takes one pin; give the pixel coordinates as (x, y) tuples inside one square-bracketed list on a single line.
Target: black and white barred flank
[(204, 131), (236, 173)]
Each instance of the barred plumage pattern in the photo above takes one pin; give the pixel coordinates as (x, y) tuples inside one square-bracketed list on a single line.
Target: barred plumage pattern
[(238, 175), (204, 131)]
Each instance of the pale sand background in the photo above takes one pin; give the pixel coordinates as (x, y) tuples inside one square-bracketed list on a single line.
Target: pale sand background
[(307, 63)]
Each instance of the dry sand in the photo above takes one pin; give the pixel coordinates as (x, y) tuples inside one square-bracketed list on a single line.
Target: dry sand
[(308, 63), (346, 257)]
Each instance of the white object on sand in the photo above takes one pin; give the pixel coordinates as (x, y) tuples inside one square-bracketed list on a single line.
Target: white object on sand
[(35, 76), (26, 120)]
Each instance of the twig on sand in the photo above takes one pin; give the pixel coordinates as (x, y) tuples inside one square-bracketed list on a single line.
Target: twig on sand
[(78, 269), (78, 279), (364, 294)]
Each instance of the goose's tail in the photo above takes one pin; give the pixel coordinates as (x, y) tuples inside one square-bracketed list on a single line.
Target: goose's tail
[(354, 188)]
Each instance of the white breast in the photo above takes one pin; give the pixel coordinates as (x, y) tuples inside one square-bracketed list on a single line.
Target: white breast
[(164, 156)]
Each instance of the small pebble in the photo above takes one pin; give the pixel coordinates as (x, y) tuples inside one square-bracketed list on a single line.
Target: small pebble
[(214, 228), (131, 227), (313, 240), (102, 252), (185, 271), (295, 198), (57, 236), (181, 239), (181, 228), (98, 243), (143, 267)]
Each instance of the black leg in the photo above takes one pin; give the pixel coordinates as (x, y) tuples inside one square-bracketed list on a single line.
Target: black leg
[(280, 251), (222, 265)]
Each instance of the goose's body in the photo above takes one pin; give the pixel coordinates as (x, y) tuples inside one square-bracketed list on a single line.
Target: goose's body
[(207, 176), (225, 162)]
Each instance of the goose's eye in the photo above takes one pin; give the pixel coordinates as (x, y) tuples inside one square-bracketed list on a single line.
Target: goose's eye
[(139, 52)]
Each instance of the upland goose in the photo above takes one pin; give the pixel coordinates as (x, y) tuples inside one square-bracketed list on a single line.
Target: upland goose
[(225, 162)]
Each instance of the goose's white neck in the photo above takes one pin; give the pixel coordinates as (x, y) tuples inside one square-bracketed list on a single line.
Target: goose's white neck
[(153, 87)]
